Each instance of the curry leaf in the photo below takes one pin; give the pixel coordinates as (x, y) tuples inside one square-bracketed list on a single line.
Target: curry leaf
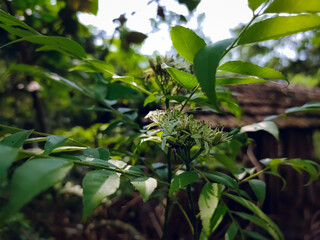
[(182, 180), (260, 222), (61, 44), (43, 73), (17, 139), (218, 217), (272, 227), (10, 20), (293, 6), (33, 177), (206, 63), (250, 69), (238, 81), (53, 142), (97, 185), (259, 189), (224, 179), (231, 232), (185, 79), (208, 202), (277, 27), (100, 153), (267, 126), (145, 185), (8, 155), (186, 42), (95, 66)]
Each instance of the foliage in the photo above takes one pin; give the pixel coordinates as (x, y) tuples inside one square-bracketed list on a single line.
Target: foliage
[(201, 154)]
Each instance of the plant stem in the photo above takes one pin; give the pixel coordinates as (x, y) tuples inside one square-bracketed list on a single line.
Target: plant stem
[(186, 217), (168, 205), (254, 175), (233, 45), (191, 205), (89, 164), (15, 129), (190, 96)]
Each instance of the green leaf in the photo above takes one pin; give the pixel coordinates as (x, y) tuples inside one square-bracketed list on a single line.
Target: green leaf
[(130, 81), (102, 66), (133, 170), (44, 74), (33, 177), (208, 202), (95, 66), (182, 180), (206, 62), (8, 155), (267, 126), (53, 142), (96, 162), (17, 139), (145, 185), (186, 42), (113, 125), (293, 6), (16, 30), (61, 44), (231, 232), (10, 20), (306, 165), (277, 27), (308, 107), (149, 99), (272, 163), (250, 69), (284, 183), (115, 91), (261, 223), (228, 162), (97, 185), (67, 149), (100, 153), (273, 228), (217, 217), (254, 4), (238, 81), (254, 235), (35, 140), (185, 79), (259, 189), (223, 179), (203, 236)]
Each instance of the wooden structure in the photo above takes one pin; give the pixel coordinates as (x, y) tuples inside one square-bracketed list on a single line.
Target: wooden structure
[(296, 209)]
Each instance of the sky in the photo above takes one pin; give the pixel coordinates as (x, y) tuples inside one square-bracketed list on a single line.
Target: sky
[(219, 17)]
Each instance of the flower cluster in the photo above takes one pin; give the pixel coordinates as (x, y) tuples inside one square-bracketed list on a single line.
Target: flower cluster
[(183, 131)]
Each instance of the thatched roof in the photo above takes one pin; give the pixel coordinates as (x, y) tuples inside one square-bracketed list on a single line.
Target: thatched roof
[(265, 99)]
